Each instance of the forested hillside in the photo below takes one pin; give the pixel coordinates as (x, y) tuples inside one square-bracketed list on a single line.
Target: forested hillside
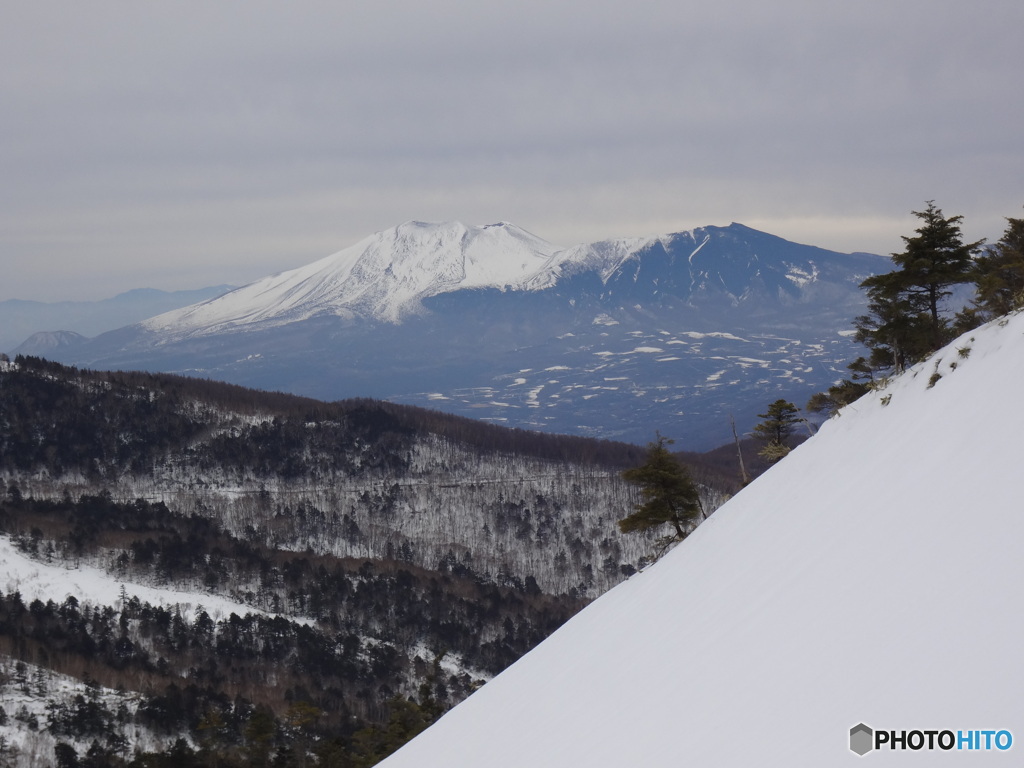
[(351, 479), (384, 560)]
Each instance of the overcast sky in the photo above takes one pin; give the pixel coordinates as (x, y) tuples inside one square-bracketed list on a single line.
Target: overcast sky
[(179, 145)]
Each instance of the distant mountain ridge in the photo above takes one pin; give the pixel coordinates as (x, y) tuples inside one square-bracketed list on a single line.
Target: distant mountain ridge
[(21, 319), (613, 339)]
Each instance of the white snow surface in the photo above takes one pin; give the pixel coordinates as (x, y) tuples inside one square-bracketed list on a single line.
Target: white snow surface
[(874, 575), (606, 255), (383, 277)]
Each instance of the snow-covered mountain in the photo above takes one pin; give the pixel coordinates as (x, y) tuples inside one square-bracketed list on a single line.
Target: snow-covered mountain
[(43, 343), (614, 339), (870, 579), (383, 277), (386, 276)]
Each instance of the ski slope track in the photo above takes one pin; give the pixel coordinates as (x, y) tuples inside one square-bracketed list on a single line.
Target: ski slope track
[(873, 576)]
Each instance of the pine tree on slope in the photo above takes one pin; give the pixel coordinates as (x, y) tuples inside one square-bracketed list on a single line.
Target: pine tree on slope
[(669, 495)]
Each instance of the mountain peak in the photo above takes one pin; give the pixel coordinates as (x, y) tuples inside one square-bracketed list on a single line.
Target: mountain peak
[(46, 342), (452, 255), (382, 277)]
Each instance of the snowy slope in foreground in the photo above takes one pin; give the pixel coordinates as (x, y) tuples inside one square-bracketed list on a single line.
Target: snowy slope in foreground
[(873, 576)]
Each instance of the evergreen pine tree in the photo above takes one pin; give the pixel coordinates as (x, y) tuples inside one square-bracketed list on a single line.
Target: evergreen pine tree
[(894, 330), (905, 320), (669, 495), (999, 274), (259, 733), (778, 427)]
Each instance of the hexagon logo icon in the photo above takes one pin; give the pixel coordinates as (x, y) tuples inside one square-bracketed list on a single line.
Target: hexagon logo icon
[(861, 739)]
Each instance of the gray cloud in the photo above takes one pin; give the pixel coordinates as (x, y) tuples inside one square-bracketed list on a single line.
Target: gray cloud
[(199, 143)]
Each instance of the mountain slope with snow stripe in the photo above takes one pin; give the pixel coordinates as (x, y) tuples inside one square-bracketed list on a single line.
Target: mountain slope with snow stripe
[(37, 580), (872, 576)]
